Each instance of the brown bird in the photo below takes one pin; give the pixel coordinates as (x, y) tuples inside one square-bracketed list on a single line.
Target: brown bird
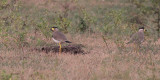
[(59, 37), (138, 37)]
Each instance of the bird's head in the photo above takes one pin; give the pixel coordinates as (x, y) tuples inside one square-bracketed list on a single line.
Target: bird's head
[(142, 29), (54, 28)]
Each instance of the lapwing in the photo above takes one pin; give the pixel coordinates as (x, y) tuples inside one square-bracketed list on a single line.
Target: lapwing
[(138, 37), (59, 37)]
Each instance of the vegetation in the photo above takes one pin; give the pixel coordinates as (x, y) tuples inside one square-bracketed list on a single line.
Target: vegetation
[(102, 26), (151, 11)]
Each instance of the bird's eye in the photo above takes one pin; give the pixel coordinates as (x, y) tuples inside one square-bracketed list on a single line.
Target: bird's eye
[(53, 29)]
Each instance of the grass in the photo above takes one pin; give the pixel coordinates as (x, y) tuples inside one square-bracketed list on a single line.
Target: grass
[(102, 27), (98, 64)]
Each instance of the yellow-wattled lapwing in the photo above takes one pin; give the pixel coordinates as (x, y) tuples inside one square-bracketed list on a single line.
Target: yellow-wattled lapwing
[(59, 37), (137, 37)]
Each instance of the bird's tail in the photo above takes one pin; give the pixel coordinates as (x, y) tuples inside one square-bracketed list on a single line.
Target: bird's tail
[(68, 42)]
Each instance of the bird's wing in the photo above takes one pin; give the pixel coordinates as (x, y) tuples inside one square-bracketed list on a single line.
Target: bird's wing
[(134, 37), (59, 36)]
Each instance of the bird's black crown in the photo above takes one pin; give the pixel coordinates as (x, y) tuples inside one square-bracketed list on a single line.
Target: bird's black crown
[(54, 27), (141, 28)]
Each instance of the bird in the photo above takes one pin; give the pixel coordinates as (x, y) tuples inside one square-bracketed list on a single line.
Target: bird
[(58, 37), (137, 37)]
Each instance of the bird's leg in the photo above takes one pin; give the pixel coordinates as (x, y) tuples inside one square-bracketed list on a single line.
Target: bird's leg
[(138, 49), (59, 47), (135, 48)]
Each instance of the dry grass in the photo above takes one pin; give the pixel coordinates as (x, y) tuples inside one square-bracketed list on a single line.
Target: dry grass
[(98, 64)]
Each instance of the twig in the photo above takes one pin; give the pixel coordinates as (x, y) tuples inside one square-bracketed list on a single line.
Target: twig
[(104, 40)]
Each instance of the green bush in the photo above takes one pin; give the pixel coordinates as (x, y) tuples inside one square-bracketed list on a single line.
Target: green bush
[(5, 76), (3, 4), (114, 21)]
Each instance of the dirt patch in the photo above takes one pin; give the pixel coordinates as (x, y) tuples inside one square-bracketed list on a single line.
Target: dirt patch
[(73, 49)]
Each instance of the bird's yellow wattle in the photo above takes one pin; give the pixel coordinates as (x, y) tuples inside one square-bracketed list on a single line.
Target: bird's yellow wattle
[(53, 29)]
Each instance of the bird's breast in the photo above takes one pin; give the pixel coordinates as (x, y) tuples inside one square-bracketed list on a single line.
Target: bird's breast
[(55, 40)]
